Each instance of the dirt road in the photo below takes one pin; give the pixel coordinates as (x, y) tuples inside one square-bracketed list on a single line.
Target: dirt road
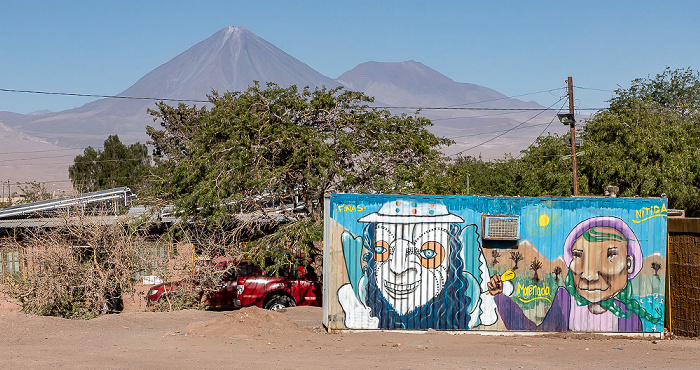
[(295, 338)]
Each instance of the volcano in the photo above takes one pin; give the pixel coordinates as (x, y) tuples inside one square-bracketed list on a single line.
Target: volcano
[(231, 59), (480, 120)]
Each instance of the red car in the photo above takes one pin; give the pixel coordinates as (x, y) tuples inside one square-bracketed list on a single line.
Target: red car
[(245, 285)]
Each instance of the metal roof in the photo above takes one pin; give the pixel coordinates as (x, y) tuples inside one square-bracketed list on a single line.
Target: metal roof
[(56, 222), (53, 204), (28, 215)]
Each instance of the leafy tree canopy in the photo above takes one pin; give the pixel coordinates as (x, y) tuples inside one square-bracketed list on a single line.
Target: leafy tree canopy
[(545, 169), (260, 161), (115, 165), (468, 176), (672, 91), (648, 140)]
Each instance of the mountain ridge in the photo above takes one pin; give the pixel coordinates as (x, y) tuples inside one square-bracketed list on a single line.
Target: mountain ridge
[(426, 83)]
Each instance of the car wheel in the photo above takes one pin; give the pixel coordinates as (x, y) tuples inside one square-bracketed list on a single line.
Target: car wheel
[(279, 302)]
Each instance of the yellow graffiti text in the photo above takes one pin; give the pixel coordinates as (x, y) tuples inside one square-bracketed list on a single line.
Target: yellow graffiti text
[(529, 293), (646, 213), (349, 208)]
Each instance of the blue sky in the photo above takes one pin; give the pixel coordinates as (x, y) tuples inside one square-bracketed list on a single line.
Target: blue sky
[(515, 47)]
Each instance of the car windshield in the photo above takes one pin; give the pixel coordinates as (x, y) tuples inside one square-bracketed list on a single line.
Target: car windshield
[(241, 270)]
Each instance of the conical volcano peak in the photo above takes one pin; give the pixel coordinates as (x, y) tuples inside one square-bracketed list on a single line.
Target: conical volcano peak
[(230, 29), (234, 37), (233, 29), (233, 33), (231, 59)]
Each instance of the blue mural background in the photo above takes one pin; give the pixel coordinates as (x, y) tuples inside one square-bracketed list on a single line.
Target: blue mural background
[(563, 214), (544, 222)]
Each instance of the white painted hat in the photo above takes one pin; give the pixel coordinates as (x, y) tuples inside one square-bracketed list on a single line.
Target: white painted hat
[(411, 212)]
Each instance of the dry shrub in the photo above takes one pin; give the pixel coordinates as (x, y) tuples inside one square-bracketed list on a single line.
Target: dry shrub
[(82, 264), (184, 298), (213, 250)]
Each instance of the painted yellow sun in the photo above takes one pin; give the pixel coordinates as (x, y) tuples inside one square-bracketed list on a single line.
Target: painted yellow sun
[(543, 220)]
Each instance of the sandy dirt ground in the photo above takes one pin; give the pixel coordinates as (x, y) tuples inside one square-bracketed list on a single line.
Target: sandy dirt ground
[(295, 338)]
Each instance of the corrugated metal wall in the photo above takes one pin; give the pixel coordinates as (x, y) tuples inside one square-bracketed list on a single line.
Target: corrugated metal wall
[(417, 262), (684, 276)]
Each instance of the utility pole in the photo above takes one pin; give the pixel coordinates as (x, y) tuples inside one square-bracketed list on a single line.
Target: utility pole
[(572, 125)]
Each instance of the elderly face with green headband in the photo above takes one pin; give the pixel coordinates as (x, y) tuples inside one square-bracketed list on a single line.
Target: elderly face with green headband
[(600, 264), (603, 254)]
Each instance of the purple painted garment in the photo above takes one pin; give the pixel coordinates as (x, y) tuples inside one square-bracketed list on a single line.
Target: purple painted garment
[(557, 318)]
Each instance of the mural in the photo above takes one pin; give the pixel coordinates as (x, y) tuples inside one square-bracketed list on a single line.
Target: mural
[(603, 255), (419, 262), (415, 274)]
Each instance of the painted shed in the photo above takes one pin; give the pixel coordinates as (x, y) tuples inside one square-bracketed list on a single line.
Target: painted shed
[(494, 263)]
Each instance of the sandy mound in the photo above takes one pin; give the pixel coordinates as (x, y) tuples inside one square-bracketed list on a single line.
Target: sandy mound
[(246, 322)]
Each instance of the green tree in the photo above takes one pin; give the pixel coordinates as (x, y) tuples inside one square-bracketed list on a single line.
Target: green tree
[(675, 91), (469, 176), (545, 169), (179, 125), (647, 141), (272, 153), (115, 165)]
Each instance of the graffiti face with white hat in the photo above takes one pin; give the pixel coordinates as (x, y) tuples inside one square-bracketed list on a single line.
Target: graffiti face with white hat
[(411, 252)]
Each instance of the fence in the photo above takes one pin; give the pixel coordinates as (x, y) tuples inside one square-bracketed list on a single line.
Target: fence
[(684, 276)]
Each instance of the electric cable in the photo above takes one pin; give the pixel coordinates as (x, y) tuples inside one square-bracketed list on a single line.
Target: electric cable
[(102, 96), (507, 131), (540, 135)]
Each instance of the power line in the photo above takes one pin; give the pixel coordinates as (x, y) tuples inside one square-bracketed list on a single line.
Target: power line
[(540, 135), (492, 132), (78, 182), (499, 131), (593, 88), (471, 117), (463, 108), (42, 151), (510, 97), (84, 162), (457, 107), (481, 126), (102, 96), (454, 107), (29, 159), (507, 131), (36, 164)]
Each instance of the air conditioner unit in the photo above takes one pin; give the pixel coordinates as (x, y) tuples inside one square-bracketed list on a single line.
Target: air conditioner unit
[(500, 227)]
